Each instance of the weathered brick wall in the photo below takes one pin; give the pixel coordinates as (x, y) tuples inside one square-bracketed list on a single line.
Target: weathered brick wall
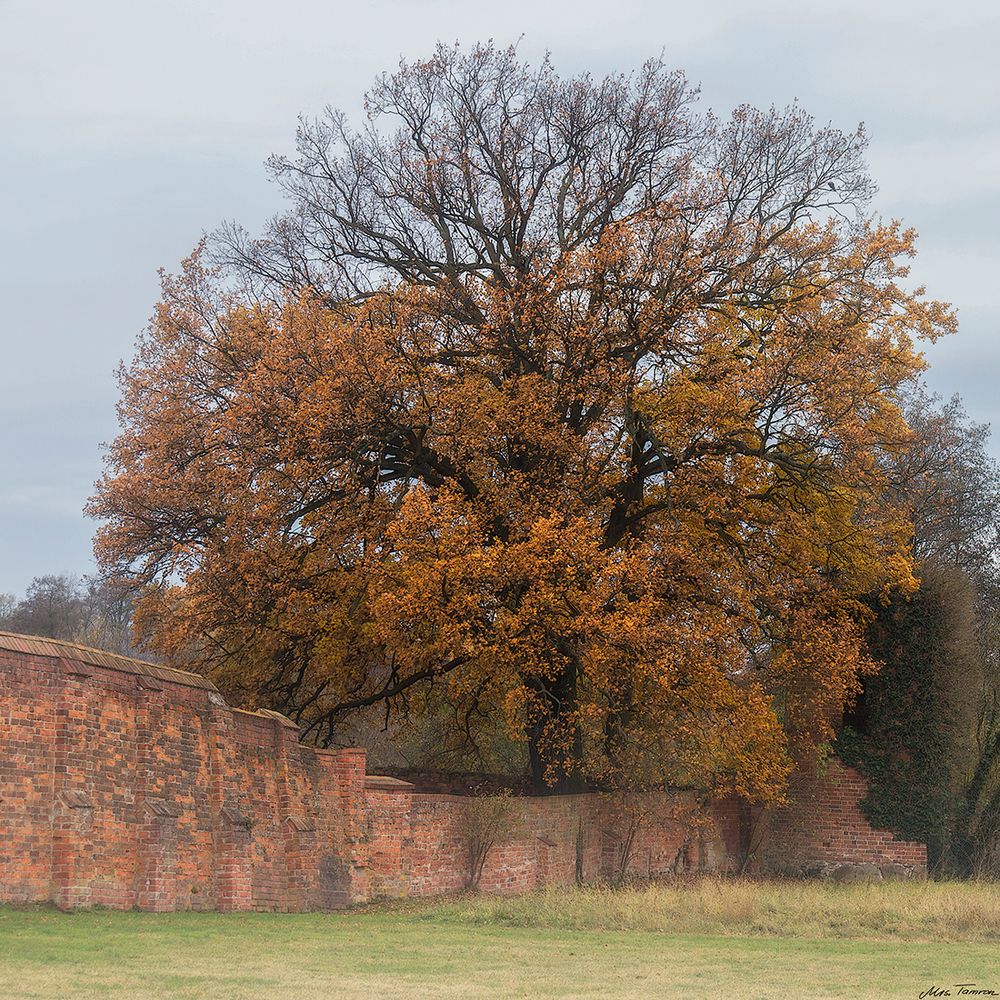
[(653, 835), (547, 837), (129, 785), (823, 826), (124, 788), (417, 845)]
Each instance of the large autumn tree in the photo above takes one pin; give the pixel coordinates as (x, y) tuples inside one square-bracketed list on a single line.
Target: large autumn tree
[(549, 400)]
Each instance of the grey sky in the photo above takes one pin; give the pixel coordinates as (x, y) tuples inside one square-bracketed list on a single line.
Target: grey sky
[(128, 128)]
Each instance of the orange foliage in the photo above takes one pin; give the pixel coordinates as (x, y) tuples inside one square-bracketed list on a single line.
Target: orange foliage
[(629, 497)]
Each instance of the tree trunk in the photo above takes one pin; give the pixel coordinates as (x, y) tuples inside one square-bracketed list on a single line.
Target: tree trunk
[(551, 772)]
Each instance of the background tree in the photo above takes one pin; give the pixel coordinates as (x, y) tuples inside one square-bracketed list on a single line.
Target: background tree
[(974, 847), (8, 602), (53, 606), (90, 610), (914, 729), (952, 485), (548, 400), (925, 729)]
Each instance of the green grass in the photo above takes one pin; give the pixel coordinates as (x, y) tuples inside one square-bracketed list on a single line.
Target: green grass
[(708, 939)]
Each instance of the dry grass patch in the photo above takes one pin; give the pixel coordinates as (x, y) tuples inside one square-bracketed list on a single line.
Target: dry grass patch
[(950, 911)]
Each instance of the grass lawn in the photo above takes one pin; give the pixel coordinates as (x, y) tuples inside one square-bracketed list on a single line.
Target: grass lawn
[(710, 939)]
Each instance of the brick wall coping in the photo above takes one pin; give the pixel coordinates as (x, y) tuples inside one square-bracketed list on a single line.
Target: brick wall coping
[(267, 713), (569, 797), (383, 783), (341, 752), (32, 645)]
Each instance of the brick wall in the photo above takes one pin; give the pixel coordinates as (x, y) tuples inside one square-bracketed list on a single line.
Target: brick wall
[(130, 785), (823, 826), (125, 785), (426, 853)]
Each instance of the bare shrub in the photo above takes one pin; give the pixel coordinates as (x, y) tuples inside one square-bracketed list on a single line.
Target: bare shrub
[(486, 820)]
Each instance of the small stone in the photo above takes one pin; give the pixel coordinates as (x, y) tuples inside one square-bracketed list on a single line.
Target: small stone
[(895, 871), (817, 869), (857, 874)]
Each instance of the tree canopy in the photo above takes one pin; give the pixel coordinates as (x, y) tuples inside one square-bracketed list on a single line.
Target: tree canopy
[(549, 399)]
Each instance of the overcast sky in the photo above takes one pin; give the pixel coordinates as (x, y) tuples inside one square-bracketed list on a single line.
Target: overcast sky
[(129, 128)]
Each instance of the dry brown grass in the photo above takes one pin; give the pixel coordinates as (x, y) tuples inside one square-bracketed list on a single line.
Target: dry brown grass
[(940, 911)]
